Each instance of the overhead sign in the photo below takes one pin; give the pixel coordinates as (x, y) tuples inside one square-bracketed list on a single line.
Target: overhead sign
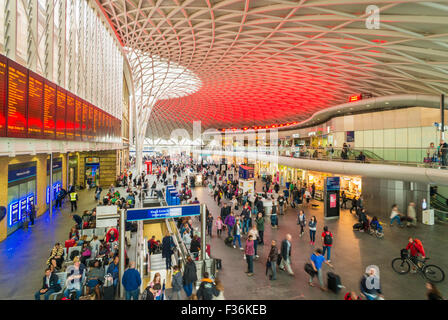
[(163, 212)]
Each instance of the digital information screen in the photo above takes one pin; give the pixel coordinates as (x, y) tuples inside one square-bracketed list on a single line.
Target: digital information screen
[(70, 121), (3, 72), (61, 113), (49, 110), (17, 91), (78, 119), (91, 120), (85, 121), (35, 105)]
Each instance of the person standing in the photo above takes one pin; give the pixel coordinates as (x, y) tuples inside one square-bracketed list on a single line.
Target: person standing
[(344, 200), (219, 225), (229, 221), (259, 221), (167, 250), (432, 293), (301, 221), (272, 258), (286, 255), (249, 252), (189, 277), (236, 232), (327, 239), (207, 289), (209, 223), (131, 282), (312, 226), (32, 213), (354, 205), (281, 204), (73, 200), (245, 215)]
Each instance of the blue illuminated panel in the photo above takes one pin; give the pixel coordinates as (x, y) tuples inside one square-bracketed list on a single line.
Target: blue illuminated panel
[(163, 212), (13, 213)]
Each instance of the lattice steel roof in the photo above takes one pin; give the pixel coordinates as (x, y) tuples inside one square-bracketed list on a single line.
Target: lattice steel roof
[(265, 62)]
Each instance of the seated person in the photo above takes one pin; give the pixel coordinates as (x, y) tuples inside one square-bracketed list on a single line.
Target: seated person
[(54, 265), (73, 234), (78, 221), (113, 269), (86, 252), (75, 278), (375, 225), (50, 284), (94, 277), (82, 240), (111, 235), (152, 244), (58, 254), (195, 246)]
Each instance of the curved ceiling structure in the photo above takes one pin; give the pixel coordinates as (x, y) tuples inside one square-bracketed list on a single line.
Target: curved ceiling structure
[(265, 62)]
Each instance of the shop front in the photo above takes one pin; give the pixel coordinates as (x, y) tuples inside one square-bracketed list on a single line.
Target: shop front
[(92, 171), (73, 170), (350, 184), (21, 193)]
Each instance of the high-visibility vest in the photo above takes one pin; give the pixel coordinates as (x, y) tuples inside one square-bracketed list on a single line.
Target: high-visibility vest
[(73, 196)]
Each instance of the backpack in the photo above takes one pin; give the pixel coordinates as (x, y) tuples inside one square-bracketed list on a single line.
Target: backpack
[(328, 240), (419, 242)]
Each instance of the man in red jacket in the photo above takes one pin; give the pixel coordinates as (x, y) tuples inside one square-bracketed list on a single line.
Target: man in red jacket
[(416, 248)]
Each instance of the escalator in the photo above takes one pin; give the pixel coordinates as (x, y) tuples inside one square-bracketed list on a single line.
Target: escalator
[(440, 205)]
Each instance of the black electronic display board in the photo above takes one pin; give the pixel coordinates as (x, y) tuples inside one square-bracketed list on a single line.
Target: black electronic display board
[(35, 105), (49, 110), (70, 121), (61, 108), (3, 82), (78, 119), (16, 100)]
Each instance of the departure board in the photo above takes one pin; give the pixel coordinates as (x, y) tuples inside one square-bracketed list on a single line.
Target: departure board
[(61, 102), (49, 109), (85, 121), (78, 119), (35, 105), (17, 96), (91, 120), (3, 73), (70, 122)]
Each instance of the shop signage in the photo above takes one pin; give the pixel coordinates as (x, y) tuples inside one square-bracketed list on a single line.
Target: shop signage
[(333, 183), (163, 212), (92, 160), (20, 174), (57, 165), (296, 135)]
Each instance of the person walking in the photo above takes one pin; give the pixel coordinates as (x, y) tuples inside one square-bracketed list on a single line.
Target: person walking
[(354, 205), (176, 283), (274, 220), (272, 258), (255, 235), (312, 226), (432, 292), (167, 249), (259, 221), (395, 215), (219, 225), (327, 239), (412, 215), (301, 221), (189, 277), (73, 200), (344, 200), (209, 223), (236, 232), (131, 282), (249, 252), (245, 215), (285, 264), (317, 259)]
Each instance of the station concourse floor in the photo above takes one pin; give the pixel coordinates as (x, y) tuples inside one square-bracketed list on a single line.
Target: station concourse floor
[(352, 252), (24, 253)]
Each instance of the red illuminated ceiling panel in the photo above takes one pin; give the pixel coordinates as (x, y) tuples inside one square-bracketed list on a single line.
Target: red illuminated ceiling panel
[(265, 62)]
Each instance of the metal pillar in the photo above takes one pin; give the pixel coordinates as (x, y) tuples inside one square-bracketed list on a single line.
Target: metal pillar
[(122, 256), (68, 171), (442, 117), (203, 232), (51, 185)]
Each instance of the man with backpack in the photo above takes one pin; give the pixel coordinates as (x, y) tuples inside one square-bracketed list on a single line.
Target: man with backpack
[(327, 239), (416, 248)]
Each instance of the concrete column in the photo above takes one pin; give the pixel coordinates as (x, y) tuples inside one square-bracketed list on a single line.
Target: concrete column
[(3, 194)]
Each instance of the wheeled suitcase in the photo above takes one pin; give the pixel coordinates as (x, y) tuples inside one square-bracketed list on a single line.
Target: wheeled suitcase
[(109, 293), (218, 264), (334, 282)]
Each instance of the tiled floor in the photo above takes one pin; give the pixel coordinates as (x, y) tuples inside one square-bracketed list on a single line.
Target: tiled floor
[(24, 253)]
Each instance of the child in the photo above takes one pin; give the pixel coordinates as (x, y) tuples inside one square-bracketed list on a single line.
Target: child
[(219, 224)]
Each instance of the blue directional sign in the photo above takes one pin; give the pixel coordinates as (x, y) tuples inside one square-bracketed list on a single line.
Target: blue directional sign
[(163, 212)]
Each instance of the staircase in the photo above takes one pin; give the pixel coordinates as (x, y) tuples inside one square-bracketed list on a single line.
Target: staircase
[(157, 262)]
